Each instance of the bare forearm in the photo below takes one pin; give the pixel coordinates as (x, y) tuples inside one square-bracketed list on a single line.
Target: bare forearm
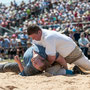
[(17, 59), (51, 59), (62, 61), (20, 66)]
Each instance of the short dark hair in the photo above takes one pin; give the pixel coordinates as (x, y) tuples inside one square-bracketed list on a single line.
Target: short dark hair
[(33, 28)]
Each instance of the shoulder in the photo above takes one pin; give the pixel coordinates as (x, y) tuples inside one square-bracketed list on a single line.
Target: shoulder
[(85, 38), (49, 34), (79, 39), (29, 51)]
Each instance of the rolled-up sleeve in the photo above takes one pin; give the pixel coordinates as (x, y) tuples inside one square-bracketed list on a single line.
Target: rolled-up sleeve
[(50, 46), (22, 73)]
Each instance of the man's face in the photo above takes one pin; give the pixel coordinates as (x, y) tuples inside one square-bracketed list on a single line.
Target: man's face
[(36, 36), (82, 36), (37, 61)]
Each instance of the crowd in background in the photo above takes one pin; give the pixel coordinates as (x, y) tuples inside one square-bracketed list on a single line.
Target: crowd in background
[(64, 16), (45, 12)]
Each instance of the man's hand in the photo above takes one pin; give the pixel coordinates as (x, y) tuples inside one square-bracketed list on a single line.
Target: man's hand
[(62, 61), (17, 59), (87, 45)]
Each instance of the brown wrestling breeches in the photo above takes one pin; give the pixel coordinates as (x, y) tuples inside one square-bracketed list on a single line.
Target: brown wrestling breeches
[(74, 55)]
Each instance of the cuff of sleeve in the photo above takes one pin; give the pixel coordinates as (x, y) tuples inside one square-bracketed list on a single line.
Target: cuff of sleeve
[(22, 73), (57, 54), (69, 72)]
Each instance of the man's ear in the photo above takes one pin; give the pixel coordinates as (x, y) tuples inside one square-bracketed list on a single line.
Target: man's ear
[(35, 53), (39, 32)]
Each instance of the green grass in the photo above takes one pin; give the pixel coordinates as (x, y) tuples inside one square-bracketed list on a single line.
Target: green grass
[(8, 60)]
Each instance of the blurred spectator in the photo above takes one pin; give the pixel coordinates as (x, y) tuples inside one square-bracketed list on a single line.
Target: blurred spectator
[(20, 49), (64, 16), (87, 34), (84, 43)]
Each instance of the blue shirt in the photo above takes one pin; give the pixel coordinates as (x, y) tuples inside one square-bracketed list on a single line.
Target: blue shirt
[(83, 41), (5, 43), (28, 67)]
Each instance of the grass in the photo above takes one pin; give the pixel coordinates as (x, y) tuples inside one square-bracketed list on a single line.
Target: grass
[(9, 60)]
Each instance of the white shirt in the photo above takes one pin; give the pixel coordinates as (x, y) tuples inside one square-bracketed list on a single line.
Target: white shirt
[(55, 42)]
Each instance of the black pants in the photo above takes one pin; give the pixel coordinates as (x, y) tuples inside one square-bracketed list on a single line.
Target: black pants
[(85, 51), (9, 67)]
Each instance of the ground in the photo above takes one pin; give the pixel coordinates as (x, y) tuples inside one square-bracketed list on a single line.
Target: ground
[(45, 81)]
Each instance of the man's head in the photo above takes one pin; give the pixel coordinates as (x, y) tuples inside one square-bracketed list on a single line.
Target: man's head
[(82, 35), (39, 62), (34, 32)]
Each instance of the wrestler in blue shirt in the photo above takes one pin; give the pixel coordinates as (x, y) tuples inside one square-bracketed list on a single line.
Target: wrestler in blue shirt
[(29, 69)]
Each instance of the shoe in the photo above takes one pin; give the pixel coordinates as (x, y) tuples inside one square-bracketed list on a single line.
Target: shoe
[(77, 70)]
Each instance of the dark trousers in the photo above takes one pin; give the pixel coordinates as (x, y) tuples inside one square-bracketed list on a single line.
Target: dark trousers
[(85, 51)]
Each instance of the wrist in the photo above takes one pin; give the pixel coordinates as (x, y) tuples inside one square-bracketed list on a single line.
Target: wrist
[(19, 62)]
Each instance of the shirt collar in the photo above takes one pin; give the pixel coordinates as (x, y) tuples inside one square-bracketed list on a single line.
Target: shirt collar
[(43, 33)]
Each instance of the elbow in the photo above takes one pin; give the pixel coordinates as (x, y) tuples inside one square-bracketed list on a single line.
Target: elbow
[(60, 59), (51, 60)]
